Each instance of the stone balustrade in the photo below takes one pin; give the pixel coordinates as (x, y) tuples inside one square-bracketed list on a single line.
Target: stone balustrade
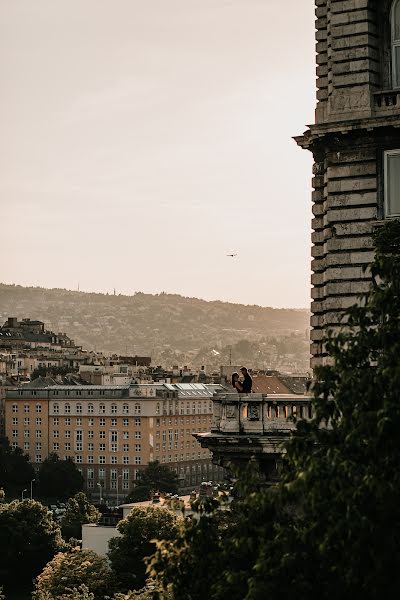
[(258, 414), (253, 426), (387, 102)]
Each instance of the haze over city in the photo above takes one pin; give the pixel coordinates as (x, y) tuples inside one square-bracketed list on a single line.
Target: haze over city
[(143, 141)]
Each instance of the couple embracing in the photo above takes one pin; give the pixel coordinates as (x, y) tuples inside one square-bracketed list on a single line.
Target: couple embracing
[(244, 385)]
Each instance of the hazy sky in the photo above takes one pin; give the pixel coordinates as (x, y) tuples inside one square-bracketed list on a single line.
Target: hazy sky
[(143, 140)]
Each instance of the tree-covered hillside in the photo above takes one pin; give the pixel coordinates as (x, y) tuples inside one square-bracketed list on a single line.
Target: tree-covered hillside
[(157, 325)]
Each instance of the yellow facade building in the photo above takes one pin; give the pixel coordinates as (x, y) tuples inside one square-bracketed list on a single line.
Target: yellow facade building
[(111, 432)]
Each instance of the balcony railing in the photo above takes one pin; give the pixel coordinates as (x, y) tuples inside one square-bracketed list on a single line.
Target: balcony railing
[(388, 101), (258, 413)]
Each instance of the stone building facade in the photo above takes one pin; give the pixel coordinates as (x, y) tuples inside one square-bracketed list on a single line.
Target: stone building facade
[(355, 143)]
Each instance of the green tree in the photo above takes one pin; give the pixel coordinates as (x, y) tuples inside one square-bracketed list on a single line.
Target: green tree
[(29, 538), (69, 570), (59, 478), (149, 592), (155, 478), (15, 469), (78, 511), (138, 532), (77, 593), (331, 528), (188, 565)]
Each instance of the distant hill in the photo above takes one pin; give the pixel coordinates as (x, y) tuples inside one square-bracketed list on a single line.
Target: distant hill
[(148, 324)]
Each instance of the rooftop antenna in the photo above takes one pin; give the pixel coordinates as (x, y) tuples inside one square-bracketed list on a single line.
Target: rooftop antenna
[(78, 286), (114, 292)]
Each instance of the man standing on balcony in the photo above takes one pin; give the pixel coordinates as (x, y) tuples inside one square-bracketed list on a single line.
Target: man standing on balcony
[(247, 382)]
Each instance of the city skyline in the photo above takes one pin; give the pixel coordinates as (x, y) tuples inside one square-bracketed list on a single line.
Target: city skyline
[(142, 143)]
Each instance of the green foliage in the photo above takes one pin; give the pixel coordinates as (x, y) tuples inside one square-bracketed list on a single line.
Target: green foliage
[(78, 511), (149, 592), (190, 562), (29, 538), (77, 593), (331, 528), (70, 571), (15, 470), (59, 478), (154, 478), (138, 532)]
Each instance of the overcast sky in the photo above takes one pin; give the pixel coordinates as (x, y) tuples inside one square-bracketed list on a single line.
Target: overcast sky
[(143, 140)]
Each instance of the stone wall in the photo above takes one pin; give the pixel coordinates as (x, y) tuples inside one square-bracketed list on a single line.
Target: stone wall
[(356, 120)]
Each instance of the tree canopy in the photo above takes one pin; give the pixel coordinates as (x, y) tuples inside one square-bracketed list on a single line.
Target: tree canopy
[(331, 528), (154, 478), (59, 478), (29, 538), (138, 532), (78, 511), (15, 469), (69, 570)]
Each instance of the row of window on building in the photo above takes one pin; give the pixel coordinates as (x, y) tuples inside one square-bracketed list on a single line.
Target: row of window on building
[(101, 421), (182, 408), (126, 460), (79, 421), (101, 460)]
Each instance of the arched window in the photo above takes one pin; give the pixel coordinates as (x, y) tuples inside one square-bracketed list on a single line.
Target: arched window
[(396, 44), (137, 409), (90, 409), (125, 409)]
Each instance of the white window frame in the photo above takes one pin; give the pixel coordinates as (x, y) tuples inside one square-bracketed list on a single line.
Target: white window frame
[(388, 153)]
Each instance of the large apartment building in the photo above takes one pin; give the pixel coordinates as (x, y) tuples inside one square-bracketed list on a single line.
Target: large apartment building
[(111, 432)]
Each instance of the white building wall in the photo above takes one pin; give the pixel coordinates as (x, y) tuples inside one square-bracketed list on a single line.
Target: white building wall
[(96, 537)]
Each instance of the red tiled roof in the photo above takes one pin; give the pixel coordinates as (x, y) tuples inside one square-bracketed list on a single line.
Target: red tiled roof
[(269, 384)]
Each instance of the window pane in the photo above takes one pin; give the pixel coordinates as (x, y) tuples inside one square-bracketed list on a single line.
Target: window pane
[(396, 66), (396, 21), (393, 185)]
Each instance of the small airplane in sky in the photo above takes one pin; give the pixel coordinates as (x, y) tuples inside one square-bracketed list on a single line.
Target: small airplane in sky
[(233, 254)]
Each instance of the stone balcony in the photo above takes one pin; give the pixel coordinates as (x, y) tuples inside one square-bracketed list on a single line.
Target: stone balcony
[(249, 426), (386, 103)]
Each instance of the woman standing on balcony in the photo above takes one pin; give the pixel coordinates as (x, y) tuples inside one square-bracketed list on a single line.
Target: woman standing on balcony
[(236, 383)]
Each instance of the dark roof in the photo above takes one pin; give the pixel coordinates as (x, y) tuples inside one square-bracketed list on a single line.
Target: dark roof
[(297, 385), (269, 384), (41, 382)]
